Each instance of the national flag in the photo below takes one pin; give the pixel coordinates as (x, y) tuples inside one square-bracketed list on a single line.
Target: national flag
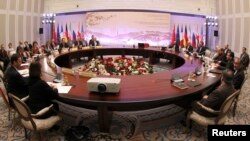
[(74, 36), (177, 36), (197, 38), (185, 37), (82, 32), (58, 34), (78, 32), (54, 32), (61, 28), (66, 34), (182, 37), (193, 41), (173, 36), (201, 36)]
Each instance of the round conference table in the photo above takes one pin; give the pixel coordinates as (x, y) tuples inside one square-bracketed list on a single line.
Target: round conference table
[(138, 92)]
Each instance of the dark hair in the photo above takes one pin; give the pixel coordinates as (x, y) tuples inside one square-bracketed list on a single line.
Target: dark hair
[(35, 70), (227, 76), (14, 58)]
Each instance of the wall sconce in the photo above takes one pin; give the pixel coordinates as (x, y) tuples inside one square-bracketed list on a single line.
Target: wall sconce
[(48, 18)]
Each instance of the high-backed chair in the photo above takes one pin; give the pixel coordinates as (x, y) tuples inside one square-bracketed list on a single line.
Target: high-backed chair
[(208, 53), (5, 98), (31, 121), (218, 120), (237, 97)]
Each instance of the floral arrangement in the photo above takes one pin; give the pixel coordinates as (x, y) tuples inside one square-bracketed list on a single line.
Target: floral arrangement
[(117, 66)]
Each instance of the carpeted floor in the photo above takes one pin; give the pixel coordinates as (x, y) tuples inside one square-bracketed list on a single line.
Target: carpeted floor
[(167, 131)]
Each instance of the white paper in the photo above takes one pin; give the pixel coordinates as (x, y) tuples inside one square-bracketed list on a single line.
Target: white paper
[(24, 72), (211, 75), (61, 89)]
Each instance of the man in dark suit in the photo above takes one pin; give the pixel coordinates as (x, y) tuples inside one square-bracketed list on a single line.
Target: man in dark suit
[(17, 84), (78, 43), (216, 98), (62, 45), (239, 75), (93, 41), (229, 63), (4, 57), (201, 48), (244, 58), (226, 49), (189, 48)]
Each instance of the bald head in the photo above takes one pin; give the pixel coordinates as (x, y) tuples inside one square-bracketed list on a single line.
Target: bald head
[(237, 64)]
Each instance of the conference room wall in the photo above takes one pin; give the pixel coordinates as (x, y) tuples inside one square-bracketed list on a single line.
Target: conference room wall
[(201, 7), (234, 24), (20, 20)]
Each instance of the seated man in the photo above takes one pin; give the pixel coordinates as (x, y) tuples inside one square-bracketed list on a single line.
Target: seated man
[(216, 98), (201, 49), (239, 75), (228, 63), (17, 84), (93, 41)]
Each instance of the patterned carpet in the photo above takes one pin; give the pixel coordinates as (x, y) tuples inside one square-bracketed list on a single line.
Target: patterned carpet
[(167, 131)]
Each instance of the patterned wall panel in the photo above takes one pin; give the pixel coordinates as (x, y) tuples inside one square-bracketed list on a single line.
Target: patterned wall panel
[(13, 4), (29, 5), (20, 28), (42, 6), (21, 5), (246, 32), (223, 7), (12, 29), (230, 6), (2, 28), (230, 35), (246, 5), (237, 5), (36, 4), (3, 4), (223, 31), (28, 30), (35, 29), (237, 34)]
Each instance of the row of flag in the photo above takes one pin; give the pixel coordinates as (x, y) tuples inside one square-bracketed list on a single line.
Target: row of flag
[(182, 38), (59, 33)]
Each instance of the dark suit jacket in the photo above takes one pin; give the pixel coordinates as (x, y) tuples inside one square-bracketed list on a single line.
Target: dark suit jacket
[(78, 43), (92, 43), (17, 84), (244, 58), (238, 79), (226, 65), (190, 49), (215, 99), (201, 50), (40, 94)]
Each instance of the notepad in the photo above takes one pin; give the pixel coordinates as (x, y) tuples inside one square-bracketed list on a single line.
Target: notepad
[(217, 71), (193, 83), (180, 85), (61, 89), (24, 72)]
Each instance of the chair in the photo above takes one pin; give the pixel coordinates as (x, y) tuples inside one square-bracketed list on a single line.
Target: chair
[(4, 95), (218, 120), (237, 97), (31, 121), (207, 53)]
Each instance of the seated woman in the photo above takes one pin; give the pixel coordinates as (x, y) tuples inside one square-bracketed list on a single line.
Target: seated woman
[(40, 93)]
